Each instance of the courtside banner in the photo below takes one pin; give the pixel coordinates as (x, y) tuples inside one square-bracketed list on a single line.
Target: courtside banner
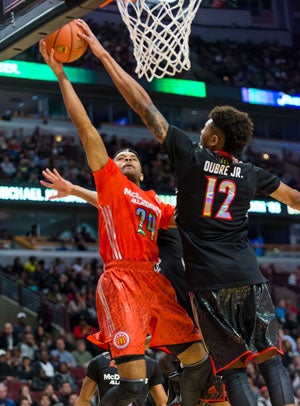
[(34, 194)]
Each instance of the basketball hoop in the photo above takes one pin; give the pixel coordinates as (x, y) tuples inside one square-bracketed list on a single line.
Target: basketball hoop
[(159, 30)]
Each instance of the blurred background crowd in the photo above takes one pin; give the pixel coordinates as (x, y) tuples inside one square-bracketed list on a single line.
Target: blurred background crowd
[(268, 65), (43, 361)]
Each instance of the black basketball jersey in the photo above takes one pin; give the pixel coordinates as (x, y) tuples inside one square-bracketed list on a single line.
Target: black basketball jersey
[(102, 370), (213, 199)]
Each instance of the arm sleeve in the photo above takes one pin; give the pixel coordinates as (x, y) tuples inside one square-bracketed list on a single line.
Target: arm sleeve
[(266, 182), (179, 148), (93, 371)]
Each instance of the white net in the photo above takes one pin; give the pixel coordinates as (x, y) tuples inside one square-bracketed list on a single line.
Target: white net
[(159, 30)]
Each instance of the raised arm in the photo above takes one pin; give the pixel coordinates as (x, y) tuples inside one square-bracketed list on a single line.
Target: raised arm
[(65, 188), (287, 195), (92, 142), (134, 94), (88, 388), (159, 395)]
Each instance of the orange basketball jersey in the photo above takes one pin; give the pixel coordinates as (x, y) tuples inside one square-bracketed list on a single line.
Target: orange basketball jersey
[(128, 217)]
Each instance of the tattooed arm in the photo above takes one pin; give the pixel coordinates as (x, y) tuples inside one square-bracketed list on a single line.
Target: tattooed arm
[(134, 94)]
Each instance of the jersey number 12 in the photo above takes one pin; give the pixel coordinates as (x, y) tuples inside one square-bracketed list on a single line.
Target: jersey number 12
[(226, 186)]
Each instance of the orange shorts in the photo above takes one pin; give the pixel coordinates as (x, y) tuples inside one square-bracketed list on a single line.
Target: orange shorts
[(133, 300)]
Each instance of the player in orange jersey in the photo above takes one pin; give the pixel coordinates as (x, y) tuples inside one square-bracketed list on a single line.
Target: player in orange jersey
[(132, 298)]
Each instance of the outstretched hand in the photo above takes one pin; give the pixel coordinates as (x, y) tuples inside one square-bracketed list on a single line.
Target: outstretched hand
[(57, 182), (90, 37), (49, 59)]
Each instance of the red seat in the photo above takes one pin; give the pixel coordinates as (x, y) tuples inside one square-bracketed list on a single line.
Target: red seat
[(36, 395), (79, 374), (13, 388)]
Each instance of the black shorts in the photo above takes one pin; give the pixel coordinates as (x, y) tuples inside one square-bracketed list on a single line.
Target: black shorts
[(236, 323)]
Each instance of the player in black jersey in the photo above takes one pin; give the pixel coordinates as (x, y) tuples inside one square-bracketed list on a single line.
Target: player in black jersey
[(230, 295), (102, 372), (231, 298)]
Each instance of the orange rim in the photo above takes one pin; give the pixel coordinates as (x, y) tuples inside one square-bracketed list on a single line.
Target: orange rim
[(110, 1), (105, 3)]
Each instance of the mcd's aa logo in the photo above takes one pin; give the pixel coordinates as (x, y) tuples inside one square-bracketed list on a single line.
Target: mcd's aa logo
[(121, 339)]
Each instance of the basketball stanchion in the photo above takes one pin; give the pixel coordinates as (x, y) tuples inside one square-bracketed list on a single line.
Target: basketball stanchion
[(159, 30)]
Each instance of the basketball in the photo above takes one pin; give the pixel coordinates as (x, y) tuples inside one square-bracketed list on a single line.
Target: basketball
[(67, 45)]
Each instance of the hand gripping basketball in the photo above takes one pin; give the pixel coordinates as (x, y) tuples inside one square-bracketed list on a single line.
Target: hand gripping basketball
[(67, 44)]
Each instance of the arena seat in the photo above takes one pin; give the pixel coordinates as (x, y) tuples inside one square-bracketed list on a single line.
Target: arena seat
[(13, 387), (36, 395), (79, 374)]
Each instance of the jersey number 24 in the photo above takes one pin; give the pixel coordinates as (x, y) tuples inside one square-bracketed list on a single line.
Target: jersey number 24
[(147, 222)]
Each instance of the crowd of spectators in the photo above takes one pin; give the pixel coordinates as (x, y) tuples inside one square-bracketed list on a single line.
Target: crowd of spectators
[(49, 362), (38, 367), (22, 159), (52, 364), (265, 66), (70, 284)]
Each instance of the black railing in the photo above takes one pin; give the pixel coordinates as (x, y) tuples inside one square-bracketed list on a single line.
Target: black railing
[(30, 299)]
